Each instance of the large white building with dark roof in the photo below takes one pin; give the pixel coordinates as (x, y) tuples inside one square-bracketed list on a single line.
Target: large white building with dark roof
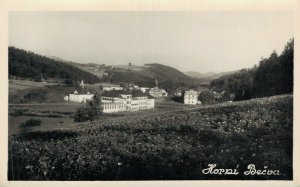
[(79, 97), (122, 100), (157, 92)]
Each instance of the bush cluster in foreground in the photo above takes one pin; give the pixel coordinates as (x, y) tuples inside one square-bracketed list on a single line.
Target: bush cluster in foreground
[(172, 145)]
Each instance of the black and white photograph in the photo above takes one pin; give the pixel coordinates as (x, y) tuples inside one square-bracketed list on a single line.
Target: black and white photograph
[(150, 95)]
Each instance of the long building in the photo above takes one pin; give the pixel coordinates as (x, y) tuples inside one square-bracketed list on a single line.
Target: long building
[(121, 100), (109, 87)]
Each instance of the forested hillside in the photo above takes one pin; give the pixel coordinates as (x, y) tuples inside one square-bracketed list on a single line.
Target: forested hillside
[(27, 64), (273, 76)]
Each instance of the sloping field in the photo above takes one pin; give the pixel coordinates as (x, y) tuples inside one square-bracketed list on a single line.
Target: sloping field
[(17, 85), (95, 71), (172, 145), (43, 92)]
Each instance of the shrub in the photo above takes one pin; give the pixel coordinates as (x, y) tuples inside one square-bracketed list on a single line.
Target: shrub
[(90, 112), (18, 112), (35, 95), (86, 114), (206, 97), (32, 123)]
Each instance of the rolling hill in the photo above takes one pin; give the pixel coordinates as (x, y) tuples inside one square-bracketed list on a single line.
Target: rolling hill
[(30, 65), (146, 75), (27, 64), (142, 75)]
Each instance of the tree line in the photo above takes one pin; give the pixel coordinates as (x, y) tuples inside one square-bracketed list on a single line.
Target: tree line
[(27, 64), (272, 76)]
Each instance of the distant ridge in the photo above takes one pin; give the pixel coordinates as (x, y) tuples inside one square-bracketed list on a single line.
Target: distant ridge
[(212, 75)]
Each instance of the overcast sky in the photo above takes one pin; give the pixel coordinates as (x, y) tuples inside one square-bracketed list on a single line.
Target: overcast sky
[(188, 41)]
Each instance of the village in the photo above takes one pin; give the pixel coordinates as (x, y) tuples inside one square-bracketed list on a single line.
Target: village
[(116, 98), (145, 93)]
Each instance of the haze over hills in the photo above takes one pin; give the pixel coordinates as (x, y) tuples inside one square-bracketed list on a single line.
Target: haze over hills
[(211, 75), (94, 69)]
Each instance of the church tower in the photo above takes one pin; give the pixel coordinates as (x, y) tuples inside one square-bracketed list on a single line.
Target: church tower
[(81, 84)]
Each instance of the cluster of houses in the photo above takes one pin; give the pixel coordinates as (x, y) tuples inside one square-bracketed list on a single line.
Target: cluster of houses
[(132, 98), (117, 99), (154, 92), (190, 97)]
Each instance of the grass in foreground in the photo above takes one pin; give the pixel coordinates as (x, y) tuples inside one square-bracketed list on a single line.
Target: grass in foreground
[(173, 145)]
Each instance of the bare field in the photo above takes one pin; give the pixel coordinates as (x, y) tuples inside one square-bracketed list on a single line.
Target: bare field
[(35, 110), (17, 85), (66, 109), (47, 124), (57, 107), (46, 94), (98, 72)]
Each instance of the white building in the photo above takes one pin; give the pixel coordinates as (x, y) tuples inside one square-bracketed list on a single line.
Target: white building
[(144, 89), (190, 97), (120, 100), (157, 92), (111, 87), (79, 97)]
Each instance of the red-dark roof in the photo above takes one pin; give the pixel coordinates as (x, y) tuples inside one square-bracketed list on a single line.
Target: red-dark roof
[(117, 93), (112, 93), (138, 93), (81, 91), (150, 96)]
